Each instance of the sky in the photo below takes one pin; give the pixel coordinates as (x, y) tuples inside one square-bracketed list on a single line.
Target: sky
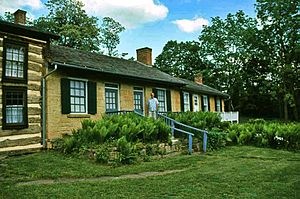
[(148, 23)]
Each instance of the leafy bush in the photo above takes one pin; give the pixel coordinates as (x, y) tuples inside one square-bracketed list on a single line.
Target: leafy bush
[(216, 140), (200, 120), (126, 133), (102, 154), (266, 134)]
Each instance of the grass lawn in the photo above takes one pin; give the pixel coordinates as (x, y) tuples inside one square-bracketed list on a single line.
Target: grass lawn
[(233, 172)]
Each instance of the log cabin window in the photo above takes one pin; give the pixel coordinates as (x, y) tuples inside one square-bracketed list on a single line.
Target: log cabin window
[(78, 96), (14, 108), (15, 58), (186, 101), (162, 100)]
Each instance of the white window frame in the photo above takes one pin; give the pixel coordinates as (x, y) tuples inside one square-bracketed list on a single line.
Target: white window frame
[(186, 103), (114, 88), (165, 102), (86, 93), (205, 103)]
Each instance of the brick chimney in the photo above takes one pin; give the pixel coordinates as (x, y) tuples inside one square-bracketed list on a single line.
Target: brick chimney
[(198, 78), (144, 55), (20, 17)]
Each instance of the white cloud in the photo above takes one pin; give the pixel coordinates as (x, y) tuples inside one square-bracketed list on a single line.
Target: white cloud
[(13, 5), (189, 26), (130, 13)]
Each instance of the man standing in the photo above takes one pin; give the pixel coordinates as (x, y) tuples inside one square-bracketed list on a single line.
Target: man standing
[(152, 106)]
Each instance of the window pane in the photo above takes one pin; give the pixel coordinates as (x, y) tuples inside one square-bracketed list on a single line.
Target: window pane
[(78, 97), (14, 107)]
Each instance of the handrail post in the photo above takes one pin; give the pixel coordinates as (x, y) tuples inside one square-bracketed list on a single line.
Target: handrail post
[(204, 141), (190, 144), (172, 128)]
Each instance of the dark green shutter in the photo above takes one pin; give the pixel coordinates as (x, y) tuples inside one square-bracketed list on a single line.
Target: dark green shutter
[(92, 98), (181, 102), (65, 96), (221, 104), (191, 101), (169, 104), (216, 103), (202, 104), (208, 102)]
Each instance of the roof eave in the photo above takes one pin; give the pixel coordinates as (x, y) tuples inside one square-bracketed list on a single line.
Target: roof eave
[(26, 31)]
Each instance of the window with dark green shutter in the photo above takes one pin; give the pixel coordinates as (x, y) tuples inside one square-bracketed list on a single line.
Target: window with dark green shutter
[(78, 96)]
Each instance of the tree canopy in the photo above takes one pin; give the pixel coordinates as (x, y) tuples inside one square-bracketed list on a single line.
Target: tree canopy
[(68, 19), (76, 29), (180, 59), (109, 35), (255, 61)]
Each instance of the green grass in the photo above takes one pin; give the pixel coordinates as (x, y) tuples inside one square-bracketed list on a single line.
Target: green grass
[(233, 172)]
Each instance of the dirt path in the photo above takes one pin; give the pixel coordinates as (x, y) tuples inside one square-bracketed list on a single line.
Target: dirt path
[(96, 179)]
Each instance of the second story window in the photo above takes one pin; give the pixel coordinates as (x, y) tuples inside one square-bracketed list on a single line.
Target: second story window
[(15, 61)]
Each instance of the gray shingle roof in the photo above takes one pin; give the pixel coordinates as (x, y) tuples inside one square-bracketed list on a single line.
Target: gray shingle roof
[(110, 65), (201, 88), (64, 56)]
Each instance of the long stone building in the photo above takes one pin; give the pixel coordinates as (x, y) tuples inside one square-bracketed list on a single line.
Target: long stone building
[(47, 90)]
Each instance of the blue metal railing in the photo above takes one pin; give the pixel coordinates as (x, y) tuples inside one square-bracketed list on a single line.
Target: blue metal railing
[(171, 122)]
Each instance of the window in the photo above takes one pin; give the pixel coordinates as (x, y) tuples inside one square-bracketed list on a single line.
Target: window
[(14, 107), (186, 101), (138, 99), (15, 61), (162, 103), (205, 103), (218, 105), (111, 97), (78, 97)]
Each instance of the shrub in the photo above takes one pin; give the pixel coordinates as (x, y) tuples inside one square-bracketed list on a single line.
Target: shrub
[(216, 140), (266, 134), (127, 153), (127, 133), (102, 154)]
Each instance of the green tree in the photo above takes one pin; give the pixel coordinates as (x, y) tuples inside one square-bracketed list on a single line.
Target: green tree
[(230, 46), (75, 28), (280, 23), (180, 59), (109, 35)]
